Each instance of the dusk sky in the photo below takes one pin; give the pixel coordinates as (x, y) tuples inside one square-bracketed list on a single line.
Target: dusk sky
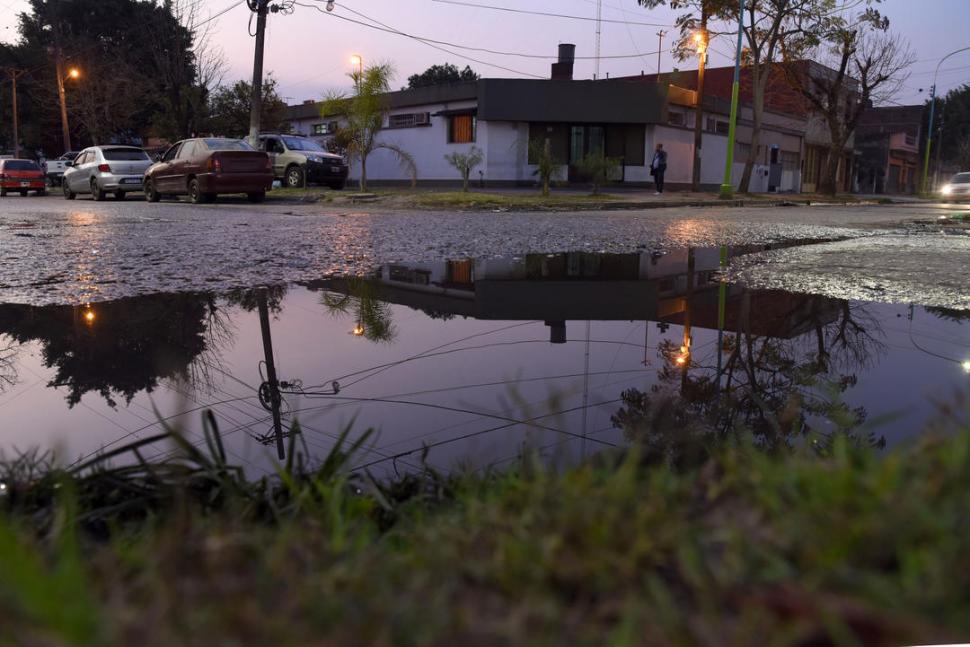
[(309, 51)]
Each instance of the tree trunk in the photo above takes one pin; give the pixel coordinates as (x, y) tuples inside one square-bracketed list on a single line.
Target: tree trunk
[(464, 181), (752, 157), (363, 173), (828, 183)]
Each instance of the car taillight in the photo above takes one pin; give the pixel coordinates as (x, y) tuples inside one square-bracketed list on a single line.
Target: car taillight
[(215, 165), (104, 168)]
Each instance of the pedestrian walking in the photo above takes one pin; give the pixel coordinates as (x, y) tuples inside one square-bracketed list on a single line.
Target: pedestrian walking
[(658, 167)]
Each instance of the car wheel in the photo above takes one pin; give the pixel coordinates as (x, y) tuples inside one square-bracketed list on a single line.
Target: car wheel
[(119, 195), (97, 192), (256, 196), (195, 192), (151, 195), (337, 186), (68, 194), (23, 193), (294, 177)]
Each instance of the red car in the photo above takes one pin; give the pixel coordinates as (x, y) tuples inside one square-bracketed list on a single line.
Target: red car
[(22, 176), (206, 167)]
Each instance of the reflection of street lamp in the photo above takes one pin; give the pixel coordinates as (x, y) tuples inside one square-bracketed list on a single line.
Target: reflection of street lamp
[(89, 315), (966, 366), (358, 330)]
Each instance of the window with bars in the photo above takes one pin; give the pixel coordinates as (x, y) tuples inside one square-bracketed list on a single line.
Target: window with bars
[(717, 126), (676, 119), (461, 129)]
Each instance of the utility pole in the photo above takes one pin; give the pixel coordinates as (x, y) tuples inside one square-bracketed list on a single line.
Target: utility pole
[(14, 74), (700, 40), (65, 130), (261, 7), (660, 48), (727, 186), (274, 385), (599, 35)]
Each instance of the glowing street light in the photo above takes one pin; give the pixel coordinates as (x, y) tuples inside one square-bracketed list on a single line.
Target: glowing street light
[(358, 330), (89, 315), (74, 73), (966, 366)]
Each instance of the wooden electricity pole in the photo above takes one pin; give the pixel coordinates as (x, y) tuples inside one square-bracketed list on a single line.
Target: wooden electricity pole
[(261, 7), (15, 74)]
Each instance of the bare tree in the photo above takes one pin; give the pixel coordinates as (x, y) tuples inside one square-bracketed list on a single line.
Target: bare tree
[(768, 25), (866, 65)]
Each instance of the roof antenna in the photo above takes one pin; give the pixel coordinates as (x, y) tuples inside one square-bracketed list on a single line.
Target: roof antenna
[(599, 35)]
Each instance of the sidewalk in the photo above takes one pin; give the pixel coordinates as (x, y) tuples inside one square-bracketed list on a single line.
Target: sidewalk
[(565, 199)]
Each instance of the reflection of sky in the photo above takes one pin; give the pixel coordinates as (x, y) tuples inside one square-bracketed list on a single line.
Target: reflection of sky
[(498, 368), (307, 70)]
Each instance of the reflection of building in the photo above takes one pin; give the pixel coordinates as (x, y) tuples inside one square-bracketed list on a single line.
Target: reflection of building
[(581, 286)]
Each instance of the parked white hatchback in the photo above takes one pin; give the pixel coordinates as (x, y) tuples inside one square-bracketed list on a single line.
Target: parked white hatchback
[(100, 170)]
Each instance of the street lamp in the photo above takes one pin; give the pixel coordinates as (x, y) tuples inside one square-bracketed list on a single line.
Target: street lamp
[(358, 61), (73, 73), (700, 42), (929, 133), (727, 186)]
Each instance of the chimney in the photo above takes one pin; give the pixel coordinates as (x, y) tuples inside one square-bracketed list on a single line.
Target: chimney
[(563, 69)]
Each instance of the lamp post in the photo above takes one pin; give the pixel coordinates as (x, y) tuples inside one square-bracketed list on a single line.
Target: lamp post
[(929, 132), (73, 73), (727, 186), (700, 41), (358, 60)]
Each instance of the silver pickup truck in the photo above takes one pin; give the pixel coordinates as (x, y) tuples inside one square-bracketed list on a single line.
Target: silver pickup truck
[(54, 169)]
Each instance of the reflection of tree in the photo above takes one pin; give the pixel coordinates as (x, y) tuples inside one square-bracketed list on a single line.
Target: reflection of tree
[(248, 298), (776, 389), (122, 347), (360, 299), (958, 316), (8, 368)]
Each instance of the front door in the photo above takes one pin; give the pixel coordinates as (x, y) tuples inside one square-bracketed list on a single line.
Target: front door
[(583, 141)]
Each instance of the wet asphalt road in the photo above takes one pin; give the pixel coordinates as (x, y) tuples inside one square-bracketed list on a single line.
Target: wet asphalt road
[(55, 251)]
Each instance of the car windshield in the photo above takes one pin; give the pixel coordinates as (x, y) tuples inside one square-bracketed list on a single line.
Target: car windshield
[(69, 156), (20, 165), (303, 144), (227, 145), (125, 155), (961, 178)]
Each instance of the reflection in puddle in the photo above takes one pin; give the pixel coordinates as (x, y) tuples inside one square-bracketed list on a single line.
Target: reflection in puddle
[(473, 360)]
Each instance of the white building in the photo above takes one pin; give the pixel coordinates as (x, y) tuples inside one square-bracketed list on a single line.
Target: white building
[(624, 119)]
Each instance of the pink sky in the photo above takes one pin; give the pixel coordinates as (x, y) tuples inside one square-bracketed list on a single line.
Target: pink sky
[(309, 51)]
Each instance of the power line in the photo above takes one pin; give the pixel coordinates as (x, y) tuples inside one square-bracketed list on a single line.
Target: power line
[(552, 15)]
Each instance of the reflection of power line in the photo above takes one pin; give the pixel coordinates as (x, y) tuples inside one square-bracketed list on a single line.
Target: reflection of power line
[(528, 422)]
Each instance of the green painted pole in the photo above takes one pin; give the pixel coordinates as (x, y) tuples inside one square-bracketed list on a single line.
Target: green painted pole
[(727, 186)]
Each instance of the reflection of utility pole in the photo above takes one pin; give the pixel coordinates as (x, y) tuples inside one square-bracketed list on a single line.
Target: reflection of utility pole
[(274, 385), (261, 7), (14, 74), (685, 349)]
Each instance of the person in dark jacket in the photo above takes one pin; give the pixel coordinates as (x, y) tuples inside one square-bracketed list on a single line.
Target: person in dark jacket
[(658, 167)]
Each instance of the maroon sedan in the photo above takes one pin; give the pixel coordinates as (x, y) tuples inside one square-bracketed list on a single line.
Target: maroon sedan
[(21, 176), (205, 167)]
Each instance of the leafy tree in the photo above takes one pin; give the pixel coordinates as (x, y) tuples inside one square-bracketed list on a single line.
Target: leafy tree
[(441, 75), (131, 55), (229, 109), (953, 120), (465, 163), (363, 116), (598, 169)]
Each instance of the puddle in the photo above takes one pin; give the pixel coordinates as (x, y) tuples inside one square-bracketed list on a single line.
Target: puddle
[(471, 361)]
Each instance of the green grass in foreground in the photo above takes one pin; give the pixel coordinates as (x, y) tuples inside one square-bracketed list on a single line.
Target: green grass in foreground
[(796, 548)]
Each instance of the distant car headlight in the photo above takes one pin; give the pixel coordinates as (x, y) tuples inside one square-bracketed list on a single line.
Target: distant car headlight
[(947, 189)]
